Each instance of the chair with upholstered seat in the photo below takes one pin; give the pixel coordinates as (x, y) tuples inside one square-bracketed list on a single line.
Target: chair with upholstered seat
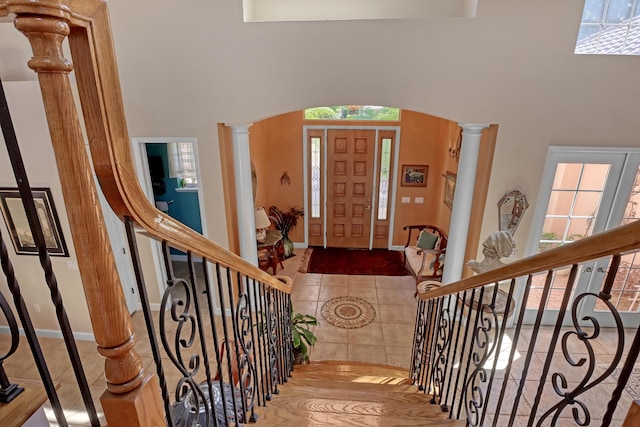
[(424, 257)]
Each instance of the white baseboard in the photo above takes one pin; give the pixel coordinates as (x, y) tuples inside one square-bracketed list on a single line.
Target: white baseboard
[(300, 245), (49, 333), (396, 248)]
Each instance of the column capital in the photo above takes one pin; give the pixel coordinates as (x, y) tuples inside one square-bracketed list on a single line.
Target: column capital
[(239, 128), (473, 128)]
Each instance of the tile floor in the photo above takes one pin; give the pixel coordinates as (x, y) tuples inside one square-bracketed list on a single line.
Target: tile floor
[(391, 331)]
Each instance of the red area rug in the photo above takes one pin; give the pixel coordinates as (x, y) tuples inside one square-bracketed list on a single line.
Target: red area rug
[(378, 262)]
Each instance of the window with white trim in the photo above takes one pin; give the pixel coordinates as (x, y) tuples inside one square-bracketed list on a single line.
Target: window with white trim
[(182, 163)]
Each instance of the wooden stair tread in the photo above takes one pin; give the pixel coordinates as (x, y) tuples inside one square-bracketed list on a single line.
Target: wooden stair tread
[(355, 377), (334, 386), (282, 418), (354, 367), (20, 409), (372, 395), (351, 394)]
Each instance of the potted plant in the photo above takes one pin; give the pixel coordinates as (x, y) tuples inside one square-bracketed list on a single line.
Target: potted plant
[(285, 221), (302, 336)]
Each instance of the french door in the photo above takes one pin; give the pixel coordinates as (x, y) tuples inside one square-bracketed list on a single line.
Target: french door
[(585, 192)]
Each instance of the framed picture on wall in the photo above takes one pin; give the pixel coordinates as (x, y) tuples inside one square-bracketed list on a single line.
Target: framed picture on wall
[(16, 219), (449, 188), (414, 175)]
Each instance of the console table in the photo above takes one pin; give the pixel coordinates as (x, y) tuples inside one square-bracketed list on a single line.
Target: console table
[(271, 252)]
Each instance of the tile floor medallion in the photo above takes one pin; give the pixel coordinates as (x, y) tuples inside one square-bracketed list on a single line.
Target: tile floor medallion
[(348, 312)]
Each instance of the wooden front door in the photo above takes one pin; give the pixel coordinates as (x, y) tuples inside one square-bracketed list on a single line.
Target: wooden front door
[(349, 187)]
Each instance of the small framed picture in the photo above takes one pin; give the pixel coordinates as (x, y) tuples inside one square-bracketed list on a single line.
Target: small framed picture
[(414, 175), (449, 188), (16, 219)]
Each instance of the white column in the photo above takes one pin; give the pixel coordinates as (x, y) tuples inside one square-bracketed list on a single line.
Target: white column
[(462, 201), (244, 193)]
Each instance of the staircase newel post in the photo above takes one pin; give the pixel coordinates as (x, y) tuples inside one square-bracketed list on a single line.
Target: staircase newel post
[(132, 397)]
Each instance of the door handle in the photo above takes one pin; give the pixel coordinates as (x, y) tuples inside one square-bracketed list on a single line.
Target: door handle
[(588, 270)]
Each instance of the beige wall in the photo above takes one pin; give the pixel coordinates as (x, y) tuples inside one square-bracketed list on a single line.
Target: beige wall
[(27, 113), (513, 65)]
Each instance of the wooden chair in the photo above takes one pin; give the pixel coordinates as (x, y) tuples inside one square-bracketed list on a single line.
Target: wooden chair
[(425, 263)]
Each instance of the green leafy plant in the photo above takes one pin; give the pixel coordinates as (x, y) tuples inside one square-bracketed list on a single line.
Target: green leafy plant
[(302, 336), (285, 221)]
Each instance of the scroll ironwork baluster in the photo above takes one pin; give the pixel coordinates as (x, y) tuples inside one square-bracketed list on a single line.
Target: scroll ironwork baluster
[(473, 396), (467, 364), (558, 379), (418, 340), (554, 339), (455, 324), (246, 368), (440, 344)]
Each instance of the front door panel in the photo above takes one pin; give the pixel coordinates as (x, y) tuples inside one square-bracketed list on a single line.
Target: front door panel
[(349, 187)]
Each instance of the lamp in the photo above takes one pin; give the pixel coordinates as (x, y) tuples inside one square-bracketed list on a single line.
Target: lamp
[(262, 223)]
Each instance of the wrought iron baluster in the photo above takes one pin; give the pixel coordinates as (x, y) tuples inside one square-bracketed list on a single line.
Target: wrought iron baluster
[(264, 343), (424, 356), (274, 366), (251, 286), (554, 339), (456, 324), (559, 380), (418, 333), (625, 373), (22, 180), (188, 395), (148, 317), (498, 348), (9, 391), (201, 335), (475, 399), (514, 344), (224, 344), (532, 342), (246, 369), (235, 345), (465, 365), (209, 291), (436, 349), (288, 333), (462, 348)]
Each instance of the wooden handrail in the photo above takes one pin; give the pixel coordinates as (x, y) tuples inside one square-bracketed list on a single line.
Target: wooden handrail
[(615, 241), (94, 62)]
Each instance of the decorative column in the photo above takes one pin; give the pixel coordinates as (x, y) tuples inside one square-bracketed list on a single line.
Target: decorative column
[(462, 201), (244, 193)]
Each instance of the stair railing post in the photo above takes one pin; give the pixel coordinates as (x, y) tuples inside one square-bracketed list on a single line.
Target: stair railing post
[(132, 397)]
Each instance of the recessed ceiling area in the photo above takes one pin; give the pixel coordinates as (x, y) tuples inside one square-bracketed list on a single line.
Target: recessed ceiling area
[(336, 10)]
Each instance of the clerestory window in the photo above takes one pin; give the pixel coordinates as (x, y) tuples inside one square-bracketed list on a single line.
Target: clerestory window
[(610, 27)]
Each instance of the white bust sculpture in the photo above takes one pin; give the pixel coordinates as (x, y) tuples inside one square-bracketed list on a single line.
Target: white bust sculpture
[(499, 244)]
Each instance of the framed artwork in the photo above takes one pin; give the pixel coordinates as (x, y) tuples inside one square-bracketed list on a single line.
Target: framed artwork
[(16, 219), (449, 188), (414, 175)]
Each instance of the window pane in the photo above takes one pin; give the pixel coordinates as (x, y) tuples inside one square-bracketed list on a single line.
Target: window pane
[(315, 177), (567, 176), (352, 112), (618, 11), (383, 192), (593, 10)]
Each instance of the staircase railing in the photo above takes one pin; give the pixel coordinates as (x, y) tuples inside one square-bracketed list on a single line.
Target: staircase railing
[(224, 327), (474, 352)]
